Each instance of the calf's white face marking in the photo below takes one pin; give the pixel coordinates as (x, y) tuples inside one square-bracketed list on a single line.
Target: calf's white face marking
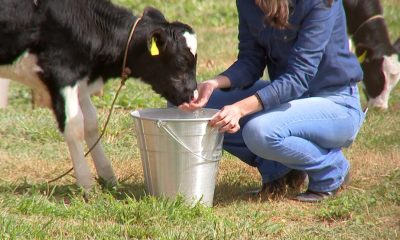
[(191, 42), (391, 70)]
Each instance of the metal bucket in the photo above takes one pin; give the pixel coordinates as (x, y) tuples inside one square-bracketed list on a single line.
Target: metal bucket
[(180, 153)]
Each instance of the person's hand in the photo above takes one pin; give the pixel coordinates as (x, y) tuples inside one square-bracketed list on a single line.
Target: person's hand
[(227, 119), (205, 89)]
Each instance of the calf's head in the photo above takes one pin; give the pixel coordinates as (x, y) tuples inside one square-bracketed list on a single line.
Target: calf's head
[(163, 54), (380, 77)]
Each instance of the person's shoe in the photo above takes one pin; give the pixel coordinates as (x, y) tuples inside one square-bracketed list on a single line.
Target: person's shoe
[(314, 196), (311, 196), (258, 191)]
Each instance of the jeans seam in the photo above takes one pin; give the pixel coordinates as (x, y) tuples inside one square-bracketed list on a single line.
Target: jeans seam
[(314, 119)]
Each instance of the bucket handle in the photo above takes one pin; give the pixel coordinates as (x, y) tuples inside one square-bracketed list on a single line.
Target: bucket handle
[(164, 125)]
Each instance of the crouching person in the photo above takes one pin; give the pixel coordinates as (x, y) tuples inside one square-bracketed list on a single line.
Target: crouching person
[(296, 124)]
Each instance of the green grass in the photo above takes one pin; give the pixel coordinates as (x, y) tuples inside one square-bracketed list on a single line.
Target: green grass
[(43, 212), (32, 151)]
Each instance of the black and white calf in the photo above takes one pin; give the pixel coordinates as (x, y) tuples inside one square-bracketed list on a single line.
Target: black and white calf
[(378, 57), (74, 46)]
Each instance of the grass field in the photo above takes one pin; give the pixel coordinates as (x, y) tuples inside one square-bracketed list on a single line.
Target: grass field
[(32, 151)]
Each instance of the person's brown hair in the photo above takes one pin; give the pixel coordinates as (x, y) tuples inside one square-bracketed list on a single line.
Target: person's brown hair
[(277, 12)]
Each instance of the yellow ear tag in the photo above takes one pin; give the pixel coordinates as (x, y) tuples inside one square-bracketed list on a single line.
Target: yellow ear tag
[(361, 58), (153, 48)]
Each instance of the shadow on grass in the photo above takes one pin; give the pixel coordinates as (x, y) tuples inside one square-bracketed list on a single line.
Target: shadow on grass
[(227, 193), (66, 192)]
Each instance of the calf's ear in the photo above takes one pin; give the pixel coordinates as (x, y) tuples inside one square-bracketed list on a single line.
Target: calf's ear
[(154, 14), (157, 41)]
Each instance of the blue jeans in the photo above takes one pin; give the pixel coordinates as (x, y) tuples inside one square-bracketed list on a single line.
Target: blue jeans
[(306, 134)]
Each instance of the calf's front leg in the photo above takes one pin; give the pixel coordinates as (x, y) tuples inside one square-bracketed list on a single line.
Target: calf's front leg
[(102, 164), (74, 133)]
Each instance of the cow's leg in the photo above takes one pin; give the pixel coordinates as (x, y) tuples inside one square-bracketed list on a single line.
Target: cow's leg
[(28, 70), (25, 71), (4, 92), (40, 98), (73, 132), (102, 164)]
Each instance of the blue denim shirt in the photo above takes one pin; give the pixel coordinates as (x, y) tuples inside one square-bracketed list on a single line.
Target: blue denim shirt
[(309, 57)]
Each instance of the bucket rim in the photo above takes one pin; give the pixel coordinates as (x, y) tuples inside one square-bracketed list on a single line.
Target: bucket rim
[(136, 114)]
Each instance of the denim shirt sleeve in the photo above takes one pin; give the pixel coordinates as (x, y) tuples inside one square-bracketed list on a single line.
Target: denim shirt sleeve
[(251, 61), (305, 55)]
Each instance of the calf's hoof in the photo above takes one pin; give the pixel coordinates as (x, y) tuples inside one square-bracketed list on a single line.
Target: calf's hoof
[(107, 184)]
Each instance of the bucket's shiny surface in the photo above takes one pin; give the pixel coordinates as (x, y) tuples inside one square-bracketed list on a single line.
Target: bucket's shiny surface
[(180, 152)]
